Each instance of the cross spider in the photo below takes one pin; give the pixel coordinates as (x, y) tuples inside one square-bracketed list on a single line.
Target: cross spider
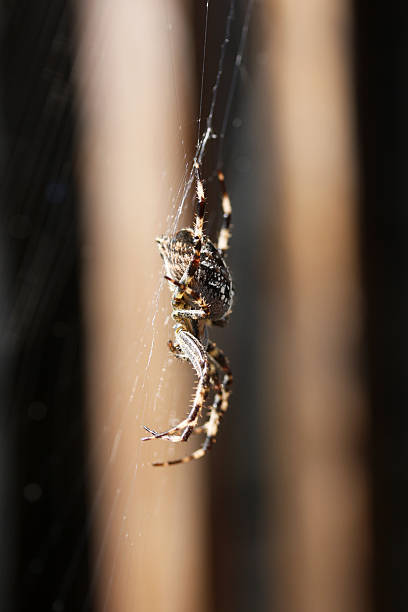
[(202, 295)]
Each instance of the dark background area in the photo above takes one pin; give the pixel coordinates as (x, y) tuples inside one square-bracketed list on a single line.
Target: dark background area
[(44, 558), (382, 107), (42, 333)]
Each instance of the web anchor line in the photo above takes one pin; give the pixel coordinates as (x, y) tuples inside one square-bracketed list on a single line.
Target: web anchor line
[(209, 133), (202, 144)]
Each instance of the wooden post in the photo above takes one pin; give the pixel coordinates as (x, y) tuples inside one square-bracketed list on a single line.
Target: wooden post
[(319, 426), (147, 523)]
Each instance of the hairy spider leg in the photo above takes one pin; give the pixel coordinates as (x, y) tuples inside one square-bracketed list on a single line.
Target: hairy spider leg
[(225, 233), (217, 410), (214, 380), (218, 355), (219, 406), (176, 350), (193, 349), (185, 281), (179, 313), (190, 292), (210, 427)]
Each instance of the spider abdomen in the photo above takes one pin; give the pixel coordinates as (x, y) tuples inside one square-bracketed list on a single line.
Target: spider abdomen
[(212, 281)]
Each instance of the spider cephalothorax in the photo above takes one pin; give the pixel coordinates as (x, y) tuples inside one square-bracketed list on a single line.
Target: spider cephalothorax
[(202, 295)]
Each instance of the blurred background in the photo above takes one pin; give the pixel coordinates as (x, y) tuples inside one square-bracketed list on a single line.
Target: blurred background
[(302, 505)]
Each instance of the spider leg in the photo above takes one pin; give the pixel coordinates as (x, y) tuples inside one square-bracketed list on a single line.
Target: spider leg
[(225, 233), (176, 350), (214, 380), (222, 362), (219, 406), (218, 409), (210, 428), (185, 281), (189, 314), (187, 290), (199, 429), (196, 354), (179, 314)]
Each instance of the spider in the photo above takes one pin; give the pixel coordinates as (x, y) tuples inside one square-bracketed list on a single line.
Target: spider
[(202, 296)]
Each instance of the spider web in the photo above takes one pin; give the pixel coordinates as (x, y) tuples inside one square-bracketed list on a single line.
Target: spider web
[(213, 124)]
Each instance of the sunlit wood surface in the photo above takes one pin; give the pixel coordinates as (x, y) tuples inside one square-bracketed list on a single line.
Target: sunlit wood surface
[(318, 425), (149, 540)]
